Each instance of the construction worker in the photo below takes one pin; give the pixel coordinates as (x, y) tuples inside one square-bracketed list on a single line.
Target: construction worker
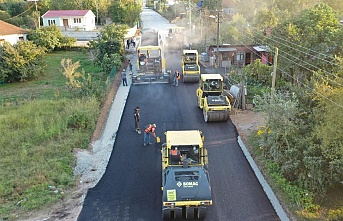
[(136, 116), (176, 78), (130, 66), (123, 76), (149, 129), (175, 155)]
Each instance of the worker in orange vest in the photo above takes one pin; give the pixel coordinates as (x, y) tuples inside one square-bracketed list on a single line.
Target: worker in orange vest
[(175, 155), (177, 77), (149, 129)]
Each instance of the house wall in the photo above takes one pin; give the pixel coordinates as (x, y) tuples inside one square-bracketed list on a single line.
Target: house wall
[(243, 55), (13, 39), (83, 23)]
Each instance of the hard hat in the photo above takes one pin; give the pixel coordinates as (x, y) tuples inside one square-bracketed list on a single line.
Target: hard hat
[(123, 69), (154, 125)]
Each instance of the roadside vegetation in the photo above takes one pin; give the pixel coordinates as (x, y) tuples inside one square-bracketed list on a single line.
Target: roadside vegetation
[(50, 97), (51, 94), (300, 148), (42, 122)]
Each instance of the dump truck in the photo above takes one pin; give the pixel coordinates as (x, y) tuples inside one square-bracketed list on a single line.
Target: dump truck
[(176, 39), (190, 66), (215, 105), (185, 179), (150, 60)]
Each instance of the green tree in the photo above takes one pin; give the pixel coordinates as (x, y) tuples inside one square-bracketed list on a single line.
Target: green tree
[(110, 41), (108, 62), (236, 31), (4, 15), (259, 73), (125, 12), (23, 61), (50, 38), (309, 43), (328, 131)]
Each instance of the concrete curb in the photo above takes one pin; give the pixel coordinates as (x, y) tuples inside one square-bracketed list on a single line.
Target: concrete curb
[(269, 192)]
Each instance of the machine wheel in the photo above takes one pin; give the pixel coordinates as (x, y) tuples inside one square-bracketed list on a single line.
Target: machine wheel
[(166, 214), (217, 116), (205, 115), (190, 213), (201, 213), (178, 213)]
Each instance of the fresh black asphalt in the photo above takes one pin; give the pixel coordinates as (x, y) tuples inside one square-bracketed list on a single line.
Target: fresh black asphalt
[(130, 189)]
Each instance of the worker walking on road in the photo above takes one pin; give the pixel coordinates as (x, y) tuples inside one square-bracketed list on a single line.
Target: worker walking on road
[(149, 129), (136, 116), (176, 78), (123, 76), (130, 66)]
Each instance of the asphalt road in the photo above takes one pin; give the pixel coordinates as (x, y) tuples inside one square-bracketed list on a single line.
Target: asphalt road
[(130, 189)]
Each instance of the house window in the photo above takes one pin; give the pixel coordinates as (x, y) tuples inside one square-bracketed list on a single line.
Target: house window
[(2, 41), (51, 22), (77, 20), (239, 56)]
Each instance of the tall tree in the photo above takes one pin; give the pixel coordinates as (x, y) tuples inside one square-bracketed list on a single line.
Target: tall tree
[(309, 43), (110, 41), (125, 12)]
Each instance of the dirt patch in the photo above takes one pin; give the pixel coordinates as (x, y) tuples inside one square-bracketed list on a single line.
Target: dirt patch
[(112, 91), (247, 122)]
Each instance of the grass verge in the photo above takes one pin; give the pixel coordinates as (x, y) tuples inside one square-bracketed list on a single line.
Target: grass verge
[(302, 206), (39, 136)]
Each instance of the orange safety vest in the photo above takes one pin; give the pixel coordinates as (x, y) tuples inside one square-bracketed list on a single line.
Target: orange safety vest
[(174, 152), (149, 128), (178, 75)]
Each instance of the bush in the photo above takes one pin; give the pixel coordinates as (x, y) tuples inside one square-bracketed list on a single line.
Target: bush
[(50, 38), (336, 215), (21, 62)]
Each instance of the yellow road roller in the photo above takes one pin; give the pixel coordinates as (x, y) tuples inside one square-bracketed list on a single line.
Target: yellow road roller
[(186, 188), (190, 66), (215, 105)]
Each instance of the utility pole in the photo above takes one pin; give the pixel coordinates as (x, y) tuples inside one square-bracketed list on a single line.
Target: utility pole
[(274, 76), (217, 55), (201, 24), (97, 11), (37, 13), (190, 19)]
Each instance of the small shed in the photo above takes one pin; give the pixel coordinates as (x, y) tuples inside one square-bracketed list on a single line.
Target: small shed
[(84, 20), (11, 33)]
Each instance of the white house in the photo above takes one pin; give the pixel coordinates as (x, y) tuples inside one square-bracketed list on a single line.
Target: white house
[(11, 33), (84, 20)]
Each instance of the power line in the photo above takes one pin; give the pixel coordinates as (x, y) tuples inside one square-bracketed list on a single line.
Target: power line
[(19, 14), (310, 89), (308, 68), (324, 55), (306, 86), (313, 71)]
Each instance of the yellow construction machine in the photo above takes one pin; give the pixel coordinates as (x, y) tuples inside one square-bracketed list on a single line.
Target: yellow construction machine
[(190, 66), (185, 179), (215, 105), (150, 60)]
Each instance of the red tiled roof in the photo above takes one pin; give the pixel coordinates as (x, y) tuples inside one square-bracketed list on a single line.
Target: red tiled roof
[(61, 13), (8, 29)]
